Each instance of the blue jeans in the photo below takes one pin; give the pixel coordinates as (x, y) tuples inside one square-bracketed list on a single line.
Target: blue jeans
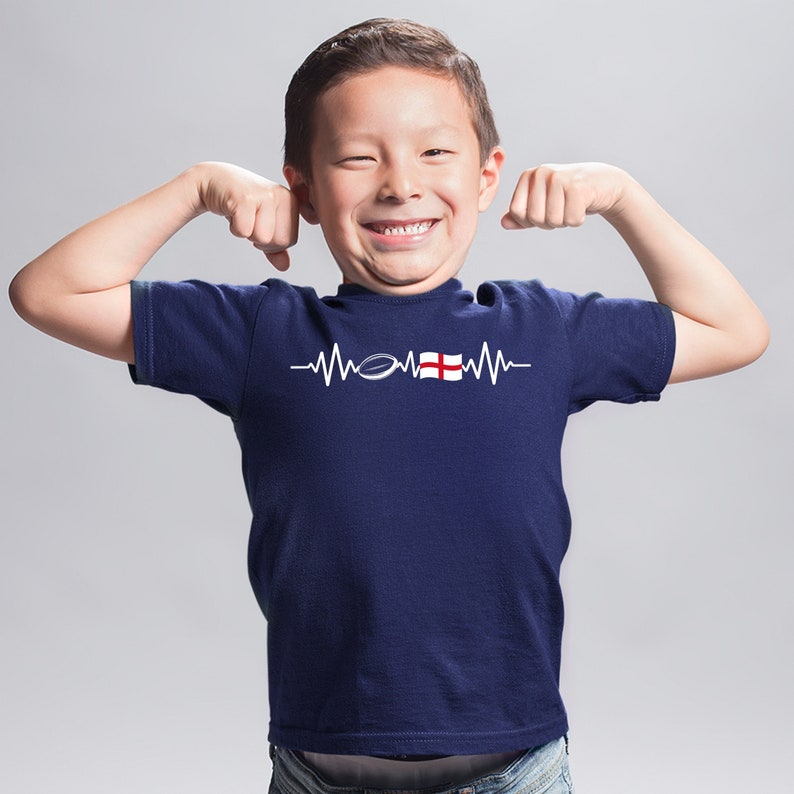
[(542, 770)]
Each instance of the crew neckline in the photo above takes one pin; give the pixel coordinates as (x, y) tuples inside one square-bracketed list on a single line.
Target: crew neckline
[(449, 287)]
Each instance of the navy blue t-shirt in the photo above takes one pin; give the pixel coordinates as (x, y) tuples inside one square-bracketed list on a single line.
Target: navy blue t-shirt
[(401, 456)]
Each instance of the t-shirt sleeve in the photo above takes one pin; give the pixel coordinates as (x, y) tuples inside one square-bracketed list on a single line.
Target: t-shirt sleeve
[(193, 337), (620, 349)]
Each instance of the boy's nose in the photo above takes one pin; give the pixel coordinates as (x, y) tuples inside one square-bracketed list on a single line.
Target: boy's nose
[(400, 183)]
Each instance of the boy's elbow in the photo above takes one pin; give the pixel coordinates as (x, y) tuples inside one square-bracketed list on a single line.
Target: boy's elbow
[(746, 335), (757, 340), (29, 300), (750, 341), (32, 301), (21, 297)]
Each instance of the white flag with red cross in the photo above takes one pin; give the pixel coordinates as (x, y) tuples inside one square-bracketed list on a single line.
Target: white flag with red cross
[(441, 366)]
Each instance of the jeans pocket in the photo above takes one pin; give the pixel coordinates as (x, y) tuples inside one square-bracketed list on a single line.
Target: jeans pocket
[(565, 777)]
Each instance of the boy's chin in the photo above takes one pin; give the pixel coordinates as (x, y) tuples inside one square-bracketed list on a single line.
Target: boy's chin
[(389, 285)]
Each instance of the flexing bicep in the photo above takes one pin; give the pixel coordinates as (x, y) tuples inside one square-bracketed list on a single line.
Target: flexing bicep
[(100, 322), (703, 350), (78, 290)]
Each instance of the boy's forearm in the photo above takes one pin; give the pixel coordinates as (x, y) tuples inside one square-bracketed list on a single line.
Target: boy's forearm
[(78, 290), (682, 272), (113, 249), (719, 328)]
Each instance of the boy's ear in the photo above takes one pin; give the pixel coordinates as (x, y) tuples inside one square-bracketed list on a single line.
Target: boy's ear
[(299, 185), (489, 177)]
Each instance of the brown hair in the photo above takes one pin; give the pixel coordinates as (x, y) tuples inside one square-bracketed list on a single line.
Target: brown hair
[(370, 45)]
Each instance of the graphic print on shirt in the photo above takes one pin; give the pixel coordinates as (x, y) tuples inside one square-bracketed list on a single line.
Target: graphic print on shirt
[(440, 366)]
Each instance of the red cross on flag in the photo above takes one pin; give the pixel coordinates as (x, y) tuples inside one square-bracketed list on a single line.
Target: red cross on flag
[(441, 366)]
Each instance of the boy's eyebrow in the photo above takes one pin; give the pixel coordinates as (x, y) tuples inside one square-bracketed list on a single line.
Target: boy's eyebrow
[(365, 136)]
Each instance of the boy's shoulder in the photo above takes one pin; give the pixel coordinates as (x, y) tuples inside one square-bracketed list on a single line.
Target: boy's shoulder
[(516, 289), (534, 295)]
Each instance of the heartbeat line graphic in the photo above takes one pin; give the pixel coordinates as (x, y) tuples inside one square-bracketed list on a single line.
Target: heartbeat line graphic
[(381, 365)]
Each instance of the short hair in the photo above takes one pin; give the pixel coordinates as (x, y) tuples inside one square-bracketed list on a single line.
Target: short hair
[(370, 45)]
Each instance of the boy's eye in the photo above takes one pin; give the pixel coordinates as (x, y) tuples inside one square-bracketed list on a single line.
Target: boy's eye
[(435, 152)]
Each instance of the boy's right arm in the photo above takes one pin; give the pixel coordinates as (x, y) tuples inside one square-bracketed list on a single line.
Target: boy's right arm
[(79, 290)]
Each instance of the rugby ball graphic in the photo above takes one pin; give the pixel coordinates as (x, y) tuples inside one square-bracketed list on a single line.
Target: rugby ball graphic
[(377, 366)]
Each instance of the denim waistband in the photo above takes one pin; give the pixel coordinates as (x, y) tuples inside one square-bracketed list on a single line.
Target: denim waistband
[(530, 773)]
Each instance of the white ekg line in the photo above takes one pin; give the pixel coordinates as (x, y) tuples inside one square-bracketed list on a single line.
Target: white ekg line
[(495, 366)]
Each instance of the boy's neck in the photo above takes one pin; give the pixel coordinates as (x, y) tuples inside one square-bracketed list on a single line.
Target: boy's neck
[(349, 287), (398, 291)]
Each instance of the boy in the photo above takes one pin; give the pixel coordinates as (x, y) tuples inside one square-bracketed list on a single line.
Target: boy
[(400, 441)]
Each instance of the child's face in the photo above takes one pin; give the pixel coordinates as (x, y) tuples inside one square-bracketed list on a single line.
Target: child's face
[(397, 182)]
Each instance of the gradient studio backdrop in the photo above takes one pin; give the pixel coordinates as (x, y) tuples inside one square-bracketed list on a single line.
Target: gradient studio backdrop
[(133, 653)]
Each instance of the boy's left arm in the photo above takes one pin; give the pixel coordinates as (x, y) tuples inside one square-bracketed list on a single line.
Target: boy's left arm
[(718, 327)]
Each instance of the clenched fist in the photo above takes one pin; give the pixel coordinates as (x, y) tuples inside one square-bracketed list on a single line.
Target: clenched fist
[(554, 196), (257, 209)]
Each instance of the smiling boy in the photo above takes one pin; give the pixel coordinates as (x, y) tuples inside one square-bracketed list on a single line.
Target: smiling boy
[(400, 441), (410, 231)]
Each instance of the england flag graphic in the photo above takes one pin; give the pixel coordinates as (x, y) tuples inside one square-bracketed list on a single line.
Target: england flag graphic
[(441, 366)]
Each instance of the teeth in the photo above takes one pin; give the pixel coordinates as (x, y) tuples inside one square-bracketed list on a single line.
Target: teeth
[(413, 228)]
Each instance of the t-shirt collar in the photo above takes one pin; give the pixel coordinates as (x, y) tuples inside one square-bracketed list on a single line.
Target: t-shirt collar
[(449, 287)]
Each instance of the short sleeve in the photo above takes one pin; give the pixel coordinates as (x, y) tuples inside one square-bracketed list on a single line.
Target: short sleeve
[(620, 349), (193, 337)]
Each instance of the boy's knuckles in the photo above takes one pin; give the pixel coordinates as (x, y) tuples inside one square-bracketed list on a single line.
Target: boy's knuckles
[(241, 226), (537, 218), (545, 173), (574, 216)]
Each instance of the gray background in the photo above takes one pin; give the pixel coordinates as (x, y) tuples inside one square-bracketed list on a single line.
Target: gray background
[(133, 654)]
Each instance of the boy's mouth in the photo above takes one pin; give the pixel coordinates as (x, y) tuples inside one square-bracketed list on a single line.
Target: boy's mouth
[(401, 230)]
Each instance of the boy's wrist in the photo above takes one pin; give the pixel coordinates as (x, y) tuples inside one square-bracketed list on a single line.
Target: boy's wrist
[(193, 181), (628, 193)]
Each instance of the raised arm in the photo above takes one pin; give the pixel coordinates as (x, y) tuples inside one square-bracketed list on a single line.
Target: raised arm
[(718, 327), (78, 290)]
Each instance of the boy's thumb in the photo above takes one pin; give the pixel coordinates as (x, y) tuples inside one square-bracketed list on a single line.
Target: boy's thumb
[(279, 260), (508, 222)]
